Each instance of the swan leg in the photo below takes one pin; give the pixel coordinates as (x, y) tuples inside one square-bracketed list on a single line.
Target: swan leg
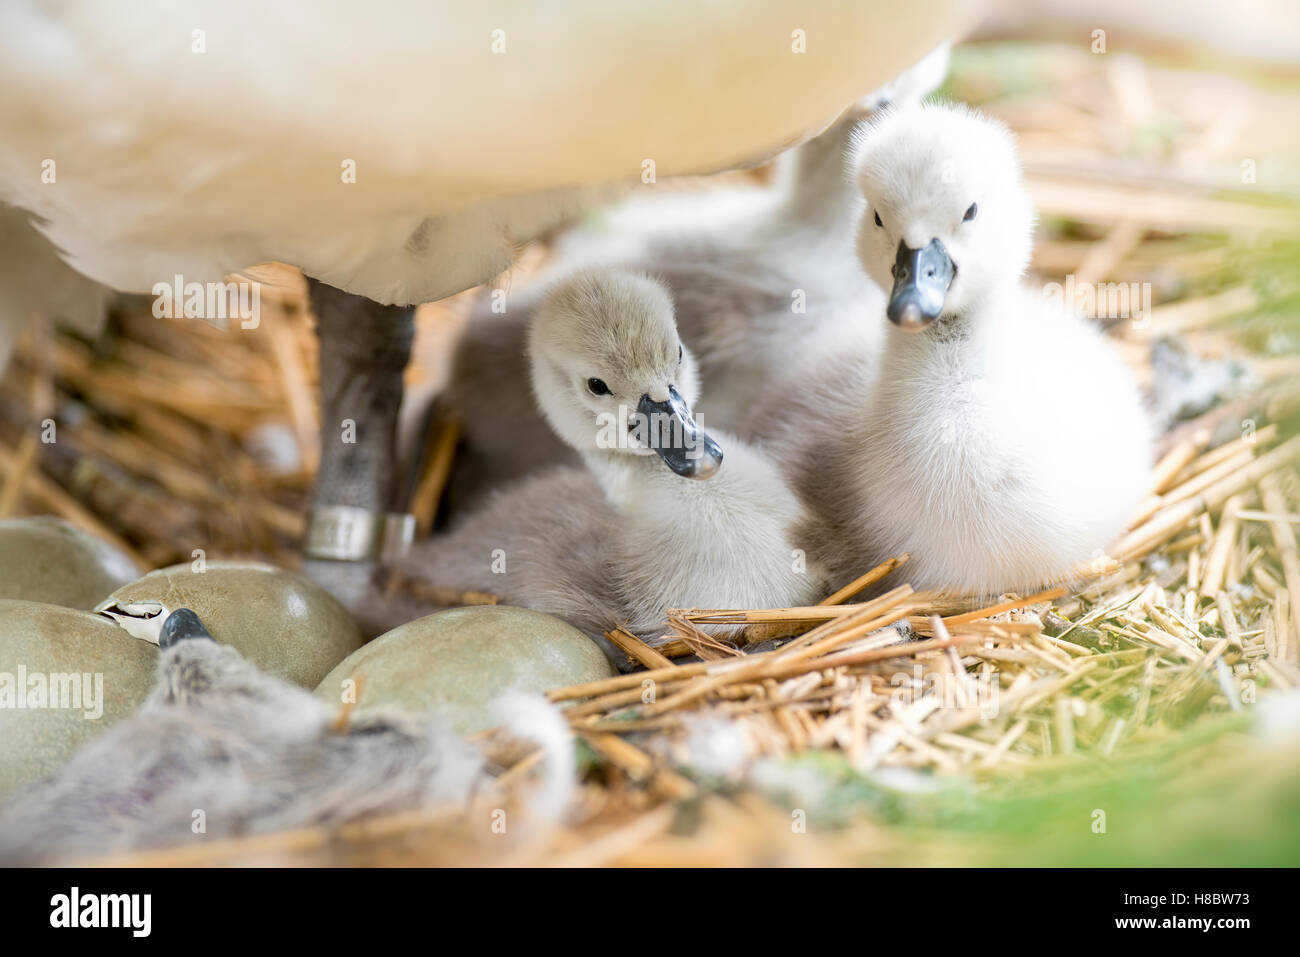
[(364, 348)]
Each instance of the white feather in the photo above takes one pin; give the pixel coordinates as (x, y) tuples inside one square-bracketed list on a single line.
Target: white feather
[(531, 718), (1004, 443)]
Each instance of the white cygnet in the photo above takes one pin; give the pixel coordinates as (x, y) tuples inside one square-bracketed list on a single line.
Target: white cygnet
[(999, 440)]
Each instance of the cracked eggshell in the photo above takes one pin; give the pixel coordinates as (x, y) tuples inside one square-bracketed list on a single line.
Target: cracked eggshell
[(282, 623), (45, 559), (460, 661), (92, 673)]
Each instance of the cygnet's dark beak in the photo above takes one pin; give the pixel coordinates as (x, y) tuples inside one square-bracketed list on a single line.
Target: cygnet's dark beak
[(181, 625), (669, 429), (921, 281)]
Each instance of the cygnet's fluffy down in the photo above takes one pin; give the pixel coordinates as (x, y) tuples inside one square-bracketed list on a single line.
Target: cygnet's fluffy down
[(644, 526), (1000, 441), (730, 542), (249, 752), (542, 543)]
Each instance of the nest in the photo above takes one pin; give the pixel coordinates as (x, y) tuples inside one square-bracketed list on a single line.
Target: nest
[(1146, 664)]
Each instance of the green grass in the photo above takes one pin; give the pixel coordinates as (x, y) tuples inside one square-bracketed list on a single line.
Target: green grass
[(1207, 796)]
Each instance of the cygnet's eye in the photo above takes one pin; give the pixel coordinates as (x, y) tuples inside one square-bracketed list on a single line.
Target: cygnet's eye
[(970, 213), (878, 222), (680, 355), (598, 387)]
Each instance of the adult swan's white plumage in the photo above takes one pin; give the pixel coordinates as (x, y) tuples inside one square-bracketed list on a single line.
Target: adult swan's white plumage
[(204, 138)]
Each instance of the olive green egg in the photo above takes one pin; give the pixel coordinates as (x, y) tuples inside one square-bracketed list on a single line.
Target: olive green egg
[(460, 661), (45, 559), (282, 623), (65, 676)]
